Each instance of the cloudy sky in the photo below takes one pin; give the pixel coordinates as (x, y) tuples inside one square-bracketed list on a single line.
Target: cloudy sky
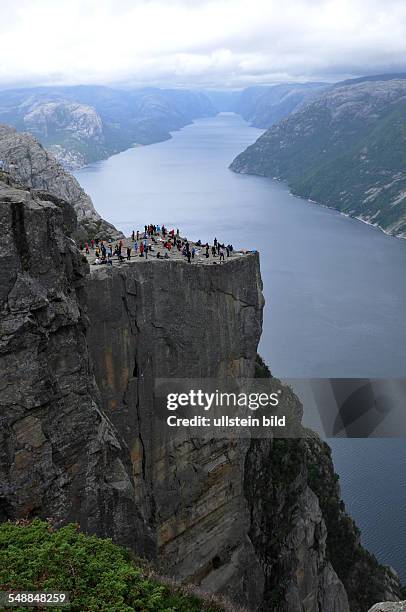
[(221, 43)]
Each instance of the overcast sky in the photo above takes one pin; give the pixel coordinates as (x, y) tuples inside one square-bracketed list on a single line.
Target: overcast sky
[(225, 43)]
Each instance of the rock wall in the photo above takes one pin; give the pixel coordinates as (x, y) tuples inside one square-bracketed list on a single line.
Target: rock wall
[(167, 319), (60, 456)]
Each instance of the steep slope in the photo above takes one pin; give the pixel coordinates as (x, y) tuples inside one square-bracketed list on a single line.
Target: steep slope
[(83, 124), (263, 106), (346, 150), (30, 164)]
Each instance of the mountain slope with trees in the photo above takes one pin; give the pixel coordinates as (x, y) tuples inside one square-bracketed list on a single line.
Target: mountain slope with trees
[(346, 149)]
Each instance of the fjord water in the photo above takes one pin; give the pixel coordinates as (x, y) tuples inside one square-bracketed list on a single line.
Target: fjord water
[(335, 288)]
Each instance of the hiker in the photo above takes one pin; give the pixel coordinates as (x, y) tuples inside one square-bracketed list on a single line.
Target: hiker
[(193, 252), (136, 248), (215, 242), (142, 249), (133, 236), (128, 253), (221, 253), (87, 248), (213, 251), (189, 257), (92, 243)]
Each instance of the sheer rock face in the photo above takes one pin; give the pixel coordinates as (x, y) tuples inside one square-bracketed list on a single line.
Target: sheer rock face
[(288, 531), (60, 456), (167, 319), (26, 160)]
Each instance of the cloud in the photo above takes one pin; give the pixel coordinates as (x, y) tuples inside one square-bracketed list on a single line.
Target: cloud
[(199, 43)]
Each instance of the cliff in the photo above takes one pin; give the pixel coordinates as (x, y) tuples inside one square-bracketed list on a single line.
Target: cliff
[(29, 164), (345, 150), (81, 350), (60, 456)]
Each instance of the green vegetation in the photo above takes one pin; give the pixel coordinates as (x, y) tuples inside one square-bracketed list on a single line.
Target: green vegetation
[(99, 575), (335, 154), (261, 369)]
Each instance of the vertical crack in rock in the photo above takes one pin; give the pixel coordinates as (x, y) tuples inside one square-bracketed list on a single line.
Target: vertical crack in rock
[(19, 234)]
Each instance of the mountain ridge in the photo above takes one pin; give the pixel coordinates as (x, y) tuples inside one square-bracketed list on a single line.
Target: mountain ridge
[(346, 149)]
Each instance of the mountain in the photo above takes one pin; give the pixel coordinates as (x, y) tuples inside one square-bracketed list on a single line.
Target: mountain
[(83, 124), (346, 149), (263, 106), (26, 161)]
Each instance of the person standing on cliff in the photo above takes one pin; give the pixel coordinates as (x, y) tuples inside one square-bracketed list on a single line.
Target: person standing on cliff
[(221, 253), (128, 253)]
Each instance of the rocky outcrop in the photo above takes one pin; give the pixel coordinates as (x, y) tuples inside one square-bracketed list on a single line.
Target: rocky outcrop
[(190, 489), (72, 132), (60, 456), (400, 606), (31, 165)]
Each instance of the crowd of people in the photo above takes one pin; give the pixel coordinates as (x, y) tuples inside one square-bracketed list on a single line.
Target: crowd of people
[(156, 241)]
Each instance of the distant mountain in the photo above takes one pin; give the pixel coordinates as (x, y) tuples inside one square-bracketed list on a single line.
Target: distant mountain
[(345, 149), (263, 105), (86, 123)]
